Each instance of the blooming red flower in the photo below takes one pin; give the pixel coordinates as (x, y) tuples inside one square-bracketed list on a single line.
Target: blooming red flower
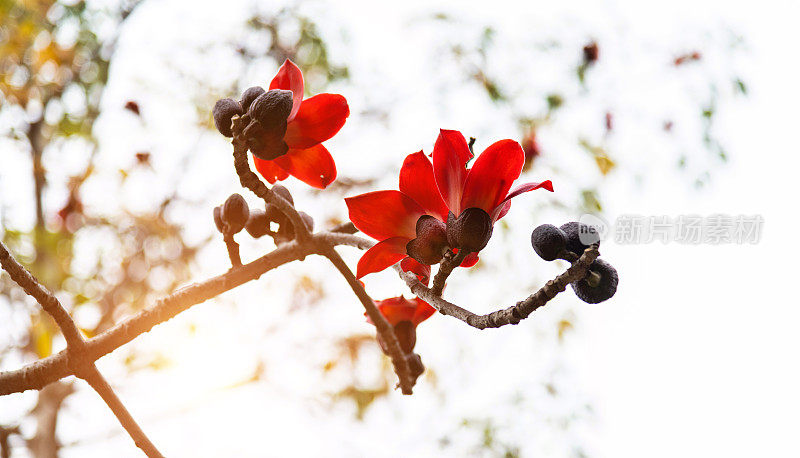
[(310, 122), (437, 189)]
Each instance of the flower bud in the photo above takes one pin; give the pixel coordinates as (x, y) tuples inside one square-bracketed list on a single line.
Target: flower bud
[(406, 334), (548, 241), (257, 224), (249, 95), (580, 236), (471, 231), (271, 108), (431, 242), (235, 213), (604, 290), (224, 110), (218, 219)]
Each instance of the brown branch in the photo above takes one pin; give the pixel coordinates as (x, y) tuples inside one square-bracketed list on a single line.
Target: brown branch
[(250, 180), (233, 249), (449, 262), (385, 330), (45, 298), (510, 315), (101, 386), (57, 366)]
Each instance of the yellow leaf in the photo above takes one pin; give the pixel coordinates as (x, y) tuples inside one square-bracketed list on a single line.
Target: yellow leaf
[(604, 163), (42, 338)]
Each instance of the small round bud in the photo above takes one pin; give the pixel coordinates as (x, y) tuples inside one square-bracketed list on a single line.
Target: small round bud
[(471, 231), (604, 290), (548, 241), (235, 213), (249, 95), (580, 236), (224, 110), (431, 242), (271, 108), (218, 219), (283, 192), (308, 220), (257, 224)]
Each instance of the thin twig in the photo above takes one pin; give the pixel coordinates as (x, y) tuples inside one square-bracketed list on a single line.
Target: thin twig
[(101, 386), (510, 315), (250, 180), (449, 262), (385, 330), (45, 298), (233, 249)]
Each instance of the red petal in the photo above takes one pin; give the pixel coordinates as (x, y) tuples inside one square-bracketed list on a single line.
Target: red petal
[(385, 214), (313, 166), (417, 181), (271, 171), (423, 311), (397, 309), (492, 175), (422, 271), (470, 260), (384, 254), (501, 210), (318, 119), (450, 156), (290, 78)]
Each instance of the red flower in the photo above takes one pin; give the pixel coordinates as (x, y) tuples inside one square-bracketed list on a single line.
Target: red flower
[(436, 189), (397, 309), (311, 122)]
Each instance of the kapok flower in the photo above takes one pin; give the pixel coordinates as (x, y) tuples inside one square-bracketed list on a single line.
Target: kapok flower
[(404, 315), (411, 225), (291, 143)]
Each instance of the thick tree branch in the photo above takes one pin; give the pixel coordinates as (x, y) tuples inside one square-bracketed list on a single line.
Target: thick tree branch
[(510, 315)]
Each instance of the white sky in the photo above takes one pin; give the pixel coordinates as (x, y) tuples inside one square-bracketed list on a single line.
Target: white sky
[(694, 356)]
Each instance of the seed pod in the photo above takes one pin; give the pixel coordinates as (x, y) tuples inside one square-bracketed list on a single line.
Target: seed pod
[(224, 110), (406, 334), (471, 231), (580, 236), (218, 219), (431, 242), (235, 213), (283, 192), (548, 241), (249, 95), (308, 220), (271, 108), (604, 290), (257, 224)]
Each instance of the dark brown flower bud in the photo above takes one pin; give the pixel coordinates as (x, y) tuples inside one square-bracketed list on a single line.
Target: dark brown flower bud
[(271, 108), (235, 213), (249, 95), (308, 220), (602, 290), (218, 219), (283, 192), (431, 242), (471, 231), (257, 224), (591, 52), (224, 110), (406, 334)]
